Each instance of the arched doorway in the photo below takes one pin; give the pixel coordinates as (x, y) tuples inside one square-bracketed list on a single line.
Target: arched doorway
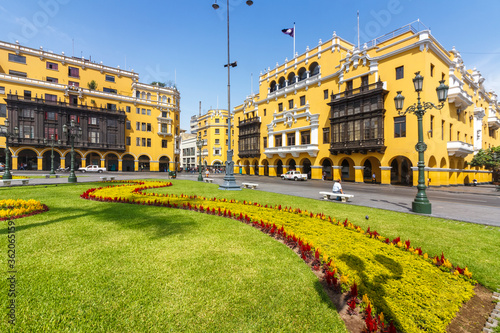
[(93, 159), (367, 171), (217, 166), (47, 160), (406, 172), (345, 170), (78, 160), (143, 163), (291, 165), (266, 167), (401, 172), (128, 163), (111, 162), (164, 164), (28, 159), (327, 169), (256, 167), (279, 168), (306, 168)]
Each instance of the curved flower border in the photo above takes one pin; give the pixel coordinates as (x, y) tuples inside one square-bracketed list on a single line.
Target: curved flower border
[(308, 252)]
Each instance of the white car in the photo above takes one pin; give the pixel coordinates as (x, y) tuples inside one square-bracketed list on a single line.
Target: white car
[(294, 175), (92, 168)]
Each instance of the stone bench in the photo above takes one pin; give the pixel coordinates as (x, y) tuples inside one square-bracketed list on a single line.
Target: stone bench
[(50, 176), (208, 180), (105, 178), (331, 195), (9, 181), (250, 185)]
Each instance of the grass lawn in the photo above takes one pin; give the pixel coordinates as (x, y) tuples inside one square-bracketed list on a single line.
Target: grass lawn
[(464, 244), (90, 266)]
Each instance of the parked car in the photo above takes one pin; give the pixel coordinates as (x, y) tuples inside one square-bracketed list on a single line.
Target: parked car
[(92, 168), (294, 175), (2, 167)]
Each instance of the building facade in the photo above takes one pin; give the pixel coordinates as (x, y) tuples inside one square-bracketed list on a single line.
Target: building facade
[(126, 125), (189, 151), (330, 113), (213, 130)]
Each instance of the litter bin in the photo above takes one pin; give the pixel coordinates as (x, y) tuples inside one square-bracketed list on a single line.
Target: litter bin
[(172, 174)]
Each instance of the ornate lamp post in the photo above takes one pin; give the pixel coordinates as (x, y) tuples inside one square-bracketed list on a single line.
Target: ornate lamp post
[(421, 204), (72, 132), (4, 131), (52, 143), (229, 180), (199, 144)]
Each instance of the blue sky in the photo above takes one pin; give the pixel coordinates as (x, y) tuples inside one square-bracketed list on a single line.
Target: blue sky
[(185, 40)]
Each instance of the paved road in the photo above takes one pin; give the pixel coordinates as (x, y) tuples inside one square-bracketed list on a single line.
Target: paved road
[(480, 204)]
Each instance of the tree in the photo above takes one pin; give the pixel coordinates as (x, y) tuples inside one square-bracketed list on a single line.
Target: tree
[(92, 85), (490, 160), (159, 84)]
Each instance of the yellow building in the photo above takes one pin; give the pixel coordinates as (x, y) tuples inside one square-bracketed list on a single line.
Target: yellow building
[(212, 128), (126, 125), (330, 113)]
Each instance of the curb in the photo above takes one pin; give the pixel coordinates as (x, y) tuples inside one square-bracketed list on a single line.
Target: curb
[(494, 317)]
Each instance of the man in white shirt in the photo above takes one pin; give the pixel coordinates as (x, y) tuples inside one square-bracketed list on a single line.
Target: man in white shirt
[(337, 188)]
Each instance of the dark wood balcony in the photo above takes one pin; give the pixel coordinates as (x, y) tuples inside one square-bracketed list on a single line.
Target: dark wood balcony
[(361, 146)]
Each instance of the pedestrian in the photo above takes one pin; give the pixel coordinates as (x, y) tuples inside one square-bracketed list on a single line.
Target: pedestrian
[(207, 173), (374, 178)]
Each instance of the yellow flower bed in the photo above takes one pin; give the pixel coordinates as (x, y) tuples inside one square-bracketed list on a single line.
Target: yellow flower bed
[(16, 208), (398, 279)]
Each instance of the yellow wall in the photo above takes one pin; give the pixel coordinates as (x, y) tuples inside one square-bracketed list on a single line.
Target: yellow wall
[(163, 103)]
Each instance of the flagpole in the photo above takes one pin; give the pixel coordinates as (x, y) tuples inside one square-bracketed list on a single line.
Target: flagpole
[(294, 33), (358, 29)]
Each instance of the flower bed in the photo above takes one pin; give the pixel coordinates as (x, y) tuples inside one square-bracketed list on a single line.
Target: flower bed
[(415, 292), (17, 208)]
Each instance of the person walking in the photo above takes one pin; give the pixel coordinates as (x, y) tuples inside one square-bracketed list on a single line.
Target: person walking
[(374, 178)]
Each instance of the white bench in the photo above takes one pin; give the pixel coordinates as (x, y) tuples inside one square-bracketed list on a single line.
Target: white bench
[(250, 185), (50, 176), (105, 178), (208, 180), (331, 195), (9, 181)]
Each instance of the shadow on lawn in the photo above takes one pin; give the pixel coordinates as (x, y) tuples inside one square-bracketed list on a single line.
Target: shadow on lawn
[(374, 288), (158, 221)]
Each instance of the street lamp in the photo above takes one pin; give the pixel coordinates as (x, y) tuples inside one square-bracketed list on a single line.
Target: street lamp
[(199, 144), (4, 131), (229, 180), (72, 132), (421, 204), (52, 143)]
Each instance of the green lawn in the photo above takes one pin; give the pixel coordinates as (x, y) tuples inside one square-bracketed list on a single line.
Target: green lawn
[(88, 265), (91, 266), (464, 244)]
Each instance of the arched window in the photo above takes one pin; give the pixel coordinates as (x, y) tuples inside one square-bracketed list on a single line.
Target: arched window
[(272, 86), (143, 95), (149, 96), (302, 74), (282, 83), (137, 94), (164, 99), (314, 69), (291, 78)]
